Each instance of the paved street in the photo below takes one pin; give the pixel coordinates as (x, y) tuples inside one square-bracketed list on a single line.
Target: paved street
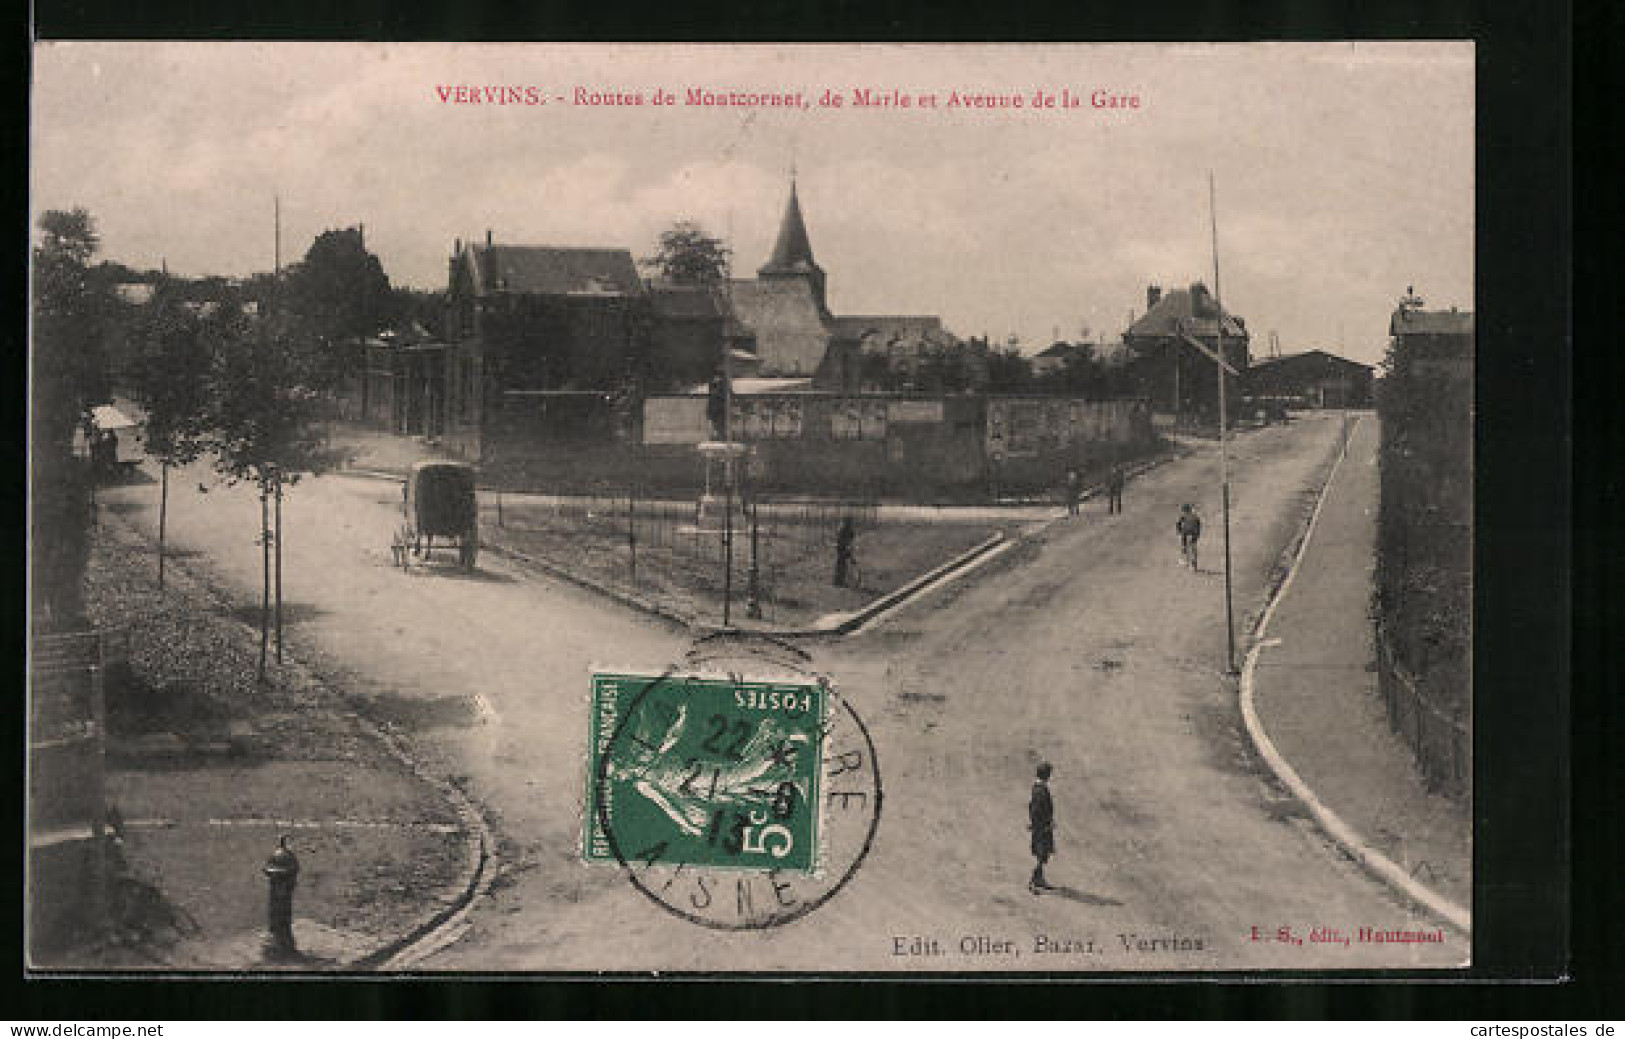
[(1090, 647)]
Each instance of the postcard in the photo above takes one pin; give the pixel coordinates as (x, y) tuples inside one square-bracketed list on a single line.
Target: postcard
[(751, 509)]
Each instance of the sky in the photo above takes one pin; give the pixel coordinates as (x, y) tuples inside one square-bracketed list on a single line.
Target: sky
[(1342, 173)]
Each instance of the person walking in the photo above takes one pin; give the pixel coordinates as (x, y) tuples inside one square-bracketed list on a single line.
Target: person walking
[(1114, 489), (1041, 820), (1189, 526), (1074, 491), (845, 538)]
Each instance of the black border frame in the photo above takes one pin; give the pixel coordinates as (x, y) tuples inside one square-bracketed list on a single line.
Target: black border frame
[(1524, 541)]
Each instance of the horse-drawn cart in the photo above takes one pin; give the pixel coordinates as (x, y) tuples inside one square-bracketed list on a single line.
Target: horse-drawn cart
[(439, 502)]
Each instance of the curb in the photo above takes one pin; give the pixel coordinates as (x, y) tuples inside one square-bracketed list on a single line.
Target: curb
[(479, 843), (889, 601), (1372, 861), (476, 879), (626, 599)]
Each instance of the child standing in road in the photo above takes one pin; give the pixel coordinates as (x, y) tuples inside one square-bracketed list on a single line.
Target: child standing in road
[(1041, 820)]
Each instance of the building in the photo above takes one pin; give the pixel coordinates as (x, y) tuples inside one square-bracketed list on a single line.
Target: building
[(897, 351), (1055, 358), (1313, 378), (1440, 339), (1178, 377), (786, 310), (691, 323), (540, 337), (404, 380)]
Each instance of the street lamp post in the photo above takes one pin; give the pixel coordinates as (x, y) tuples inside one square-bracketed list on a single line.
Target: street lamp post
[(1224, 454)]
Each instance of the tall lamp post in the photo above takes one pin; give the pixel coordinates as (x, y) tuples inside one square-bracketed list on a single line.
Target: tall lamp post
[(1222, 367), (1224, 422)]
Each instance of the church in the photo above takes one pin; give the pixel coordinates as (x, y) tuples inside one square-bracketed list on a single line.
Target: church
[(785, 309)]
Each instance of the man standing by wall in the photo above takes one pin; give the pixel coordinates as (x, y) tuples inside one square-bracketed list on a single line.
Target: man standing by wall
[(1114, 489)]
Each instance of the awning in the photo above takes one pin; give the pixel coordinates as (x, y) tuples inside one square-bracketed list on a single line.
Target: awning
[(105, 417)]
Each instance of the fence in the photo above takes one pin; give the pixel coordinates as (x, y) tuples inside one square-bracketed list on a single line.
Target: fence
[(66, 795), (1423, 605), (640, 542), (1443, 744)]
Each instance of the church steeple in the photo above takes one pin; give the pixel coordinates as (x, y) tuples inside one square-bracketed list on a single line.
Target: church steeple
[(792, 252)]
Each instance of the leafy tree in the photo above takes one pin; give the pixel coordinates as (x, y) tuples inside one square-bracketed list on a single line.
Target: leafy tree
[(170, 380), (689, 256), (1008, 371), (339, 294), (67, 377), (267, 405), (415, 306)]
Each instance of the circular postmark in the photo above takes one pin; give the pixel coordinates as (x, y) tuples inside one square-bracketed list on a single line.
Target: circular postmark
[(737, 790)]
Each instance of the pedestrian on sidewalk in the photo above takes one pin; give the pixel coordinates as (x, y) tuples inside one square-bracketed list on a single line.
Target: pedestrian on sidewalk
[(845, 538), (1041, 820), (1074, 491), (1114, 489)]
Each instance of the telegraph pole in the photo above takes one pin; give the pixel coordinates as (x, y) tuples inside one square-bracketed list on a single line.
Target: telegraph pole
[(1224, 454), (728, 438)]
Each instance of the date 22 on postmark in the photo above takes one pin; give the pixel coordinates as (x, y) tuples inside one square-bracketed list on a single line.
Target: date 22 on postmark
[(736, 789)]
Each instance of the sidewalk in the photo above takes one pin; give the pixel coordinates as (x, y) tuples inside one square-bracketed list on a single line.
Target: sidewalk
[(206, 768), (1318, 702)]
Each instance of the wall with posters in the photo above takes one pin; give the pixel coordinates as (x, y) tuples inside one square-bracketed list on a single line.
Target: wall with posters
[(958, 447)]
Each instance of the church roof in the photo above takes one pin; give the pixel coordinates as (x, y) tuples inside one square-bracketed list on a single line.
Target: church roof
[(792, 253)]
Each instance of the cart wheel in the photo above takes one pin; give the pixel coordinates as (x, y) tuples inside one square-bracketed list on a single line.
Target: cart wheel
[(401, 546), (468, 551)]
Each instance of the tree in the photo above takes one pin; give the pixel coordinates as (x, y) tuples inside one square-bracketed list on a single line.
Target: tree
[(339, 294), (1008, 371), (689, 256), (170, 380), (265, 430), (67, 377)]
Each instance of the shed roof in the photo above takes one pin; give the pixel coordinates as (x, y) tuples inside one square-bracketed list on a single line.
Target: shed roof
[(1303, 356)]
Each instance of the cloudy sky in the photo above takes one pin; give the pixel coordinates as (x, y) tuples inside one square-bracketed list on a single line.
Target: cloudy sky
[(1344, 172)]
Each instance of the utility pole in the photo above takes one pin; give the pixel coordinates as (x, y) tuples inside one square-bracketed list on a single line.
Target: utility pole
[(276, 247), (1224, 421), (728, 443)]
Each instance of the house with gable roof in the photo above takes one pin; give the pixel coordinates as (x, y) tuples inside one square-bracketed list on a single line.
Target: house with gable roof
[(1178, 376)]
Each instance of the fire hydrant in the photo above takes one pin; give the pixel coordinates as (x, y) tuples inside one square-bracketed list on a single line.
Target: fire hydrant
[(282, 873)]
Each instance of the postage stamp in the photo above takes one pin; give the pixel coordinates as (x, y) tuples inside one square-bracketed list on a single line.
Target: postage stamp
[(706, 770), (738, 799)]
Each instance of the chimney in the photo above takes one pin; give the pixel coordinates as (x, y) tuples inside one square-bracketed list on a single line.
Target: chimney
[(361, 234), (488, 238), (1152, 294)]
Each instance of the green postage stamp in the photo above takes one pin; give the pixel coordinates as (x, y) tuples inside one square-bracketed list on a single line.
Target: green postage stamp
[(705, 771)]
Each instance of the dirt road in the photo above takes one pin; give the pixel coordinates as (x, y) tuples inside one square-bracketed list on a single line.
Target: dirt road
[(1090, 647)]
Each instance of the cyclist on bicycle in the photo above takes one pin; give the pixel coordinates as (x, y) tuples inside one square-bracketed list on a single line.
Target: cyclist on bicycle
[(1189, 526)]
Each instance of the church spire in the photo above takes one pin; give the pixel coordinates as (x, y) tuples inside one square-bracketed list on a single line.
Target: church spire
[(792, 253)]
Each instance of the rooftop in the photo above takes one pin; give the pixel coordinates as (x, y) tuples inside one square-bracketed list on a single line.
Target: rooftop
[(1195, 307), (551, 270)]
